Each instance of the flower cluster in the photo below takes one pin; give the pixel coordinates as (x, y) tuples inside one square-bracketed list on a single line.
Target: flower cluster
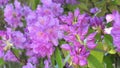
[(39, 37), (44, 31), (13, 14), (36, 34), (115, 16), (75, 27), (66, 1)]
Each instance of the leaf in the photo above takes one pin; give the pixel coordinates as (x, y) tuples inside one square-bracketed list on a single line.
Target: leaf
[(98, 37), (108, 40), (16, 52), (62, 42), (53, 60), (58, 58), (108, 61), (1, 62), (41, 64), (117, 2), (83, 6), (98, 53), (94, 63), (112, 51), (34, 3)]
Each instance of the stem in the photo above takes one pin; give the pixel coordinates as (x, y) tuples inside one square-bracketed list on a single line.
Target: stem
[(17, 57)]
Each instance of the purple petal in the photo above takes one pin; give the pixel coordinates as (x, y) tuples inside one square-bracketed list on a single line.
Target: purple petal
[(76, 12), (82, 62), (91, 45), (66, 46), (75, 59)]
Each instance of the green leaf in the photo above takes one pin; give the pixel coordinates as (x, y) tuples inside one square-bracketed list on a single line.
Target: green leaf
[(1, 62), (117, 2), (53, 60), (112, 51), (62, 42), (94, 63), (41, 65), (83, 6), (98, 53), (98, 37), (108, 40), (34, 3), (16, 52), (58, 58), (108, 61)]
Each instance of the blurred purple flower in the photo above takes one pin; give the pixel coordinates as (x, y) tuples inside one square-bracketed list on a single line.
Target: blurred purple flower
[(1, 52), (73, 2), (52, 10), (94, 10), (28, 65), (97, 22), (108, 30), (33, 60), (46, 62), (115, 32), (9, 56), (47, 2), (18, 39), (90, 41), (109, 17), (3, 2), (43, 49), (13, 15)]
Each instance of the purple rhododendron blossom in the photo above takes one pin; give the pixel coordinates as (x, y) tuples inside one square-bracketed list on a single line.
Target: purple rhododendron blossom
[(43, 29), (109, 17), (66, 1), (94, 10), (1, 51), (91, 41), (30, 33), (9, 56), (13, 15), (18, 39), (97, 22), (3, 2), (115, 32), (75, 30), (29, 65), (43, 49), (33, 60), (46, 62), (78, 53)]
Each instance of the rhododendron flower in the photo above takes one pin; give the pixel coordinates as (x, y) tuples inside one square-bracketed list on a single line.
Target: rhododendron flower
[(29, 65), (66, 1), (97, 22), (78, 53), (9, 56), (3, 2), (109, 17), (18, 39), (90, 41), (108, 30), (94, 10), (115, 32), (13, 15)]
